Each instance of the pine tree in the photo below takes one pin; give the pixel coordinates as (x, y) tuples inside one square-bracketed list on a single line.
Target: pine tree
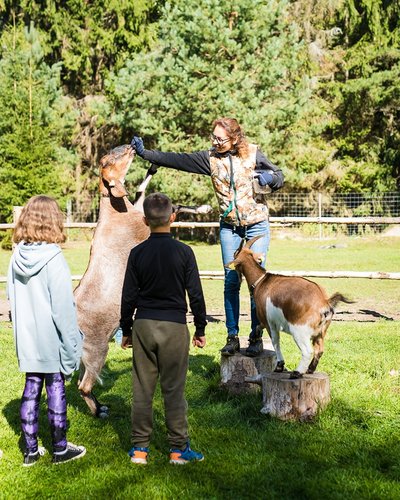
[(213, 58), (34, 123)]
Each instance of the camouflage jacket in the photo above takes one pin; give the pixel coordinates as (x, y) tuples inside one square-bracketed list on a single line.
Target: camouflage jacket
[(232, 178), (235, 193)]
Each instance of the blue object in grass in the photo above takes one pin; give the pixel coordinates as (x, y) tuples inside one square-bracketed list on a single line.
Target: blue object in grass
[(118, 336)]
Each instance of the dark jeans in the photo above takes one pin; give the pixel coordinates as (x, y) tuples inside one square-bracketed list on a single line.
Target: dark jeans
[(160, 350), (56, 409)]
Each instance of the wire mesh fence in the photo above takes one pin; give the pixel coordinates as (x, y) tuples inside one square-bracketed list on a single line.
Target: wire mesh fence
[(316, 204), (304, 204)]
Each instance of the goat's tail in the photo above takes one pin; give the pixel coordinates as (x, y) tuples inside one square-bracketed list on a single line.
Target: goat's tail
[(336, 298), (202, 209)]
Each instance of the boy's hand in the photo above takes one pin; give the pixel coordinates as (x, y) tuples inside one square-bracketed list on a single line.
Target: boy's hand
[(199, 341), (126, 341)]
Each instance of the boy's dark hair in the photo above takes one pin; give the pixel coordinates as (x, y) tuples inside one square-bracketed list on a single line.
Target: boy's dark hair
[(157, 209)]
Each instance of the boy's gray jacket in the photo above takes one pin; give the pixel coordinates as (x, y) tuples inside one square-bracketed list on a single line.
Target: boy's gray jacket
[(39, 288)]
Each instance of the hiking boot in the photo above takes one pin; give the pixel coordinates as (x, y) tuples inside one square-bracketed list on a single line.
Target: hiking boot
[(71, 452), (183, 457), (32, 458), (138, 455), (232, 345), (255, 347)]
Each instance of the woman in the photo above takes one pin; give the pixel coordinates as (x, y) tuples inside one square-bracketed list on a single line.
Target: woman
[(235, 167)]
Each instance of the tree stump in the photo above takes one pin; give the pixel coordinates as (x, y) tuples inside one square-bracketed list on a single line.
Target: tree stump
[(236, 369), (295, 399)]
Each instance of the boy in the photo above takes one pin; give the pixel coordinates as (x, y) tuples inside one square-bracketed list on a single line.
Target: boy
[(159, 273)]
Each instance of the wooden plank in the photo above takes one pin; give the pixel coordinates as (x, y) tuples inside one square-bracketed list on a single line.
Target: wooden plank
[(219, 275), (278, 220)]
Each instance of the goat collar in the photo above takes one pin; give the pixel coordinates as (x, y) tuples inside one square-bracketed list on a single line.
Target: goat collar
[(253, 286)]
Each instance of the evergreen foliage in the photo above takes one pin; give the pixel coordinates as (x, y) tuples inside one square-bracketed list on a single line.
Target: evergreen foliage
[(90, 38), (314, 82), (213, 58), (367, 130), (34, 123)]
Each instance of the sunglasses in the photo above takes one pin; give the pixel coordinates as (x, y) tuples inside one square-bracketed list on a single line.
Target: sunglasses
[(218, 140)]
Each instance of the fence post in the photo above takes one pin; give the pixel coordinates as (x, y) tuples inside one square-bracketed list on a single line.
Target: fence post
[(16, 214), (320, 214), (69, 214)]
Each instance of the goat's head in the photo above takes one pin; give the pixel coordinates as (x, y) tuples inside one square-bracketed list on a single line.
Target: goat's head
[(242, 254), (113, 168)]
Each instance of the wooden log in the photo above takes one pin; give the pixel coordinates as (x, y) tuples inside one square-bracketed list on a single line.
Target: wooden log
[(235, 370), (295, 399)]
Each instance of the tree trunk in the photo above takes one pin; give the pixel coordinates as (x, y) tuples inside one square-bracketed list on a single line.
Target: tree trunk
[(295, 399)]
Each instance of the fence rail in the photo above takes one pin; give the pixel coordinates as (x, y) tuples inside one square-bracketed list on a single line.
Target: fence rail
[(277, 220), (219, 275)]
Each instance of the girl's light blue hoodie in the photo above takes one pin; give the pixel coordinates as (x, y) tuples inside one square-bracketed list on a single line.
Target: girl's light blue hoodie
[(39, 288)]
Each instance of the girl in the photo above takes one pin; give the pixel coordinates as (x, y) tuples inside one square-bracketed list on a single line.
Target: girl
[(47, 338)]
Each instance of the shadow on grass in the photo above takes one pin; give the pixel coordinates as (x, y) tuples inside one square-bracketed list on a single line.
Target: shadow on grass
[(118, 405), (11, 412)]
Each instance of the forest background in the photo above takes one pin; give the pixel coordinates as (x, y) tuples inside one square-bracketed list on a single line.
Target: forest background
[(315, 83)]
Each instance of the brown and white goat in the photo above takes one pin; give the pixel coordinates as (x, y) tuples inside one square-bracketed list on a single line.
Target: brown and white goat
[(294, 305)]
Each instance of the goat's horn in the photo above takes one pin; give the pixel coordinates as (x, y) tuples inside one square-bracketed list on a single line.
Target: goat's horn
[(240, 246), (253, 240)]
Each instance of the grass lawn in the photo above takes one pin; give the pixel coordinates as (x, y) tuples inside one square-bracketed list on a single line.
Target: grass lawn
[(344, 253), (351, 451)]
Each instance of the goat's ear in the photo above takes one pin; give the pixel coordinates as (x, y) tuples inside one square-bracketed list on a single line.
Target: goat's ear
[(259, 257), (118, 190), (103, 190), (253, 240)]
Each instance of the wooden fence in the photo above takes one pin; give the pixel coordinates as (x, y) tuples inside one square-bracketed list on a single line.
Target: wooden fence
[(273, 220)]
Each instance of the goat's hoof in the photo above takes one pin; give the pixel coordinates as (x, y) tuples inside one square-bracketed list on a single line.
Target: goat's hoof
[(310, 370), (295, 375), (102, 412), (280, 367)]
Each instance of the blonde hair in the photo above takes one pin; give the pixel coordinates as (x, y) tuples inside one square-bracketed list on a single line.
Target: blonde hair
[(235, 133), (41, 220)]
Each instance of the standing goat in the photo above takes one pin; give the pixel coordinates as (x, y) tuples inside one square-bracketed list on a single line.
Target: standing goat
[(98, 296), (294, 305)]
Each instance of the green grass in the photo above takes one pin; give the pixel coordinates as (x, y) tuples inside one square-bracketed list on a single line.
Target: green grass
[(350, 451)]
